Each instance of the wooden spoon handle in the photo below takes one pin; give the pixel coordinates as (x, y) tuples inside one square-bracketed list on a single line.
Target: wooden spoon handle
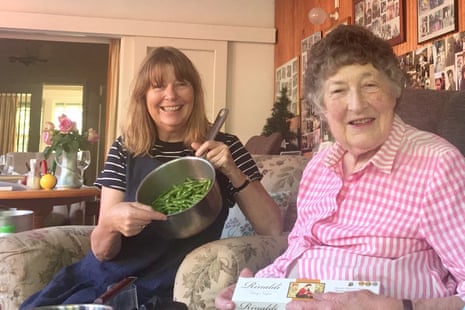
[(114, 290)]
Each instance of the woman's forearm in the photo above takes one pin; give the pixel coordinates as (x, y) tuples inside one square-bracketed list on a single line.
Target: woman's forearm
[(256, 204), (105, 239), (260, 209), (105, 244)]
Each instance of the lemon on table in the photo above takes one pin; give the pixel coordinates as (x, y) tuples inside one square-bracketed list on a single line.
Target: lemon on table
[(48, 181)]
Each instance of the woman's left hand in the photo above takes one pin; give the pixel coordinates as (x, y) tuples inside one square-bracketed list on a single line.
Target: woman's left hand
[(223, 301), (217, 154), (257, 205), (358, 300)]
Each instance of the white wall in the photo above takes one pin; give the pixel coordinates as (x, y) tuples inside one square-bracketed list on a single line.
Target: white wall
[(246, 25), (250, 88), (253, 13)]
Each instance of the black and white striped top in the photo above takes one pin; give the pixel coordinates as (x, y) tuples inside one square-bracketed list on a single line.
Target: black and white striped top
[(113, 174)]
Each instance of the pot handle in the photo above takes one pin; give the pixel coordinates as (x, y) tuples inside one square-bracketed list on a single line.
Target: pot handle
[(219, 121)]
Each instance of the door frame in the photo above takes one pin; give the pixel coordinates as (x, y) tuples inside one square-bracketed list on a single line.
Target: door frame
[(209, 57)]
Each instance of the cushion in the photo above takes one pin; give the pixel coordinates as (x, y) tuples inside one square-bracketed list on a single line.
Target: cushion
[(452, 124), (423, 108), (237, 225), (265, 144), (283, 173)]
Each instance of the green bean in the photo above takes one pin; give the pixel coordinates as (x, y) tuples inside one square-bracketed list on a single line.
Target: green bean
[(181, 196)]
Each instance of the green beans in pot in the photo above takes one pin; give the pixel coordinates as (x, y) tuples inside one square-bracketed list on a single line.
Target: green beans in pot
[(181, 196)]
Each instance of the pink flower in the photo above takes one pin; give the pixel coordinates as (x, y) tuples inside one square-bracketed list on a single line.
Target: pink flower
[(66, 138), (66, 125), (47, 133), (92, 135)]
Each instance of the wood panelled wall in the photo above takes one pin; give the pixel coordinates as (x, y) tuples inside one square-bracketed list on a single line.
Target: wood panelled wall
[(293, 25)]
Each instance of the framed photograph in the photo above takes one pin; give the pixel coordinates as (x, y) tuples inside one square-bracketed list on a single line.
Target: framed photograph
[(383, 18), (436, 18), (306, 45), (287, 76)]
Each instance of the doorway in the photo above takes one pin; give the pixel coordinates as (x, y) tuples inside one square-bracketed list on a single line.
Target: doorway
[(62, 99), (27, 65)]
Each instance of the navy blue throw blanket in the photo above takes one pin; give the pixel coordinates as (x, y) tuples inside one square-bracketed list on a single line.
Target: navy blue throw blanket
[(153, 259)]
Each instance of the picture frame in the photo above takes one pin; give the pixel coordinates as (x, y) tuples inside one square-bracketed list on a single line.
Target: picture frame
[(384, 18), (305, 46), (287, 75), (436, 18)]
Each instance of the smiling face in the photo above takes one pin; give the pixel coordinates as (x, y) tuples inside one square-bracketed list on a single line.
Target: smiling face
[(359, 107), (170, 103)]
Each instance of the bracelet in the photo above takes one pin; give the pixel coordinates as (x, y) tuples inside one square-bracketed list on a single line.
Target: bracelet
[(407, 304), (242, 186)]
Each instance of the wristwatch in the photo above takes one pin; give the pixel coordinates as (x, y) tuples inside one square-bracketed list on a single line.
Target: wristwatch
[(407, 304), (242, 186)]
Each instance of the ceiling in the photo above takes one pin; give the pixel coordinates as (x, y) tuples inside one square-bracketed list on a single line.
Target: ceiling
[(27, 52)]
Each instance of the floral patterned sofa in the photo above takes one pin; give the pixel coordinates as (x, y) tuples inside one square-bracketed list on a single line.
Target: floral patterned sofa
[(29, 259), (215, 265)]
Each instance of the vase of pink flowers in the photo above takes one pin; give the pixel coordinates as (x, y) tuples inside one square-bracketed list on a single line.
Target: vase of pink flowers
[(69, 176), (65, 141)]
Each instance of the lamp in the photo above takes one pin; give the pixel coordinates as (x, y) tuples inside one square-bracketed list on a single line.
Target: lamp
[(318, 15)]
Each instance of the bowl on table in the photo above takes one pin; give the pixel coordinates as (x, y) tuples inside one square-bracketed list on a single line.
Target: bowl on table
[(194, 219)]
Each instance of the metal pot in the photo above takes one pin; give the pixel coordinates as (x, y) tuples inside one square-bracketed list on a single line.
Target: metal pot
[(194, 219), (16, 220)]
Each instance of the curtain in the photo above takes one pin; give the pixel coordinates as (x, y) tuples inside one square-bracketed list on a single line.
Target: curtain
[(8, 107), (112, 93)]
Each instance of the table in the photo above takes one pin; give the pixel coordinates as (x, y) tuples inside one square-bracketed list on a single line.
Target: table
[(10, 178), (42, 201)]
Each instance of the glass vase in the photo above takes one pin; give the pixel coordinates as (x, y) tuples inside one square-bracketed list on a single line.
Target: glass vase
[(69, 176)]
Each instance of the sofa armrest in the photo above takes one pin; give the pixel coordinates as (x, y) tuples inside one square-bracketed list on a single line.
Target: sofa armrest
[(208, 269), (29, 259)]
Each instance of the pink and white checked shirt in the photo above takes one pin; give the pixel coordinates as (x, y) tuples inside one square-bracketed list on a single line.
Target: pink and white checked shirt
[(400, 219)]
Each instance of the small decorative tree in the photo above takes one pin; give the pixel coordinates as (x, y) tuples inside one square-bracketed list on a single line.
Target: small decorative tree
[(279, 121)]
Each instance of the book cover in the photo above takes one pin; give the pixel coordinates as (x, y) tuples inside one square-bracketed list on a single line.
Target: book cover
[(273, 293)]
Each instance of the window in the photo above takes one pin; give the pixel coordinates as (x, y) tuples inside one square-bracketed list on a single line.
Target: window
[(23, 115), (61, 99)]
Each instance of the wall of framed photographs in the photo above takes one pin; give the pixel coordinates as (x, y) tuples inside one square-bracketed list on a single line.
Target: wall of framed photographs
[(310, 124), (292, 24), (427, 32), (287, 76), (436, 18), (437, 64)]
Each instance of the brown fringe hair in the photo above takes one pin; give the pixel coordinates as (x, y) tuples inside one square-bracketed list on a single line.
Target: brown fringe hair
[(139, 131)]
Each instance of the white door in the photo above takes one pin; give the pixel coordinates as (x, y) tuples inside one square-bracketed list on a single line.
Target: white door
[(209, 57)]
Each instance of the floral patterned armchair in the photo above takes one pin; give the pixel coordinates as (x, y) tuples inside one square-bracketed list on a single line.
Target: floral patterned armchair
[(215, 265), (29, 259)]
